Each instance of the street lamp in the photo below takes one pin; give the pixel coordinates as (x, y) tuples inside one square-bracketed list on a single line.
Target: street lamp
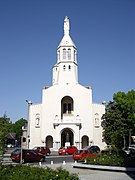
[(28, 120), (21, 145)]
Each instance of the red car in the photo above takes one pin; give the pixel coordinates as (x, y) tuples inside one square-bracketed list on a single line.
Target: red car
[(80, 154), (67, 150), (27, 156), (42, 150)]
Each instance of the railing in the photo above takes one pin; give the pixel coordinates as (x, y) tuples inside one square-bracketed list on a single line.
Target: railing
[(66, 121)]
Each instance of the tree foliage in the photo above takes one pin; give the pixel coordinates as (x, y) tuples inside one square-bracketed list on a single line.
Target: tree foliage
[(119, 118), (17, 127), (5, 127)]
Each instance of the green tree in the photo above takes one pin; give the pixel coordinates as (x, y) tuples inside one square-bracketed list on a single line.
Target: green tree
[(5, 127), (17, 127), (119, 118)]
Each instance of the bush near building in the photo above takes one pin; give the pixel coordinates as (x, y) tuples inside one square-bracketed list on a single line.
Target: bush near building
[(120, 159), (21, 172)]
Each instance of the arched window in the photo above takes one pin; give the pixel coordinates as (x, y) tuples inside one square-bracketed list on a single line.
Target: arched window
[(69, 67), (67, 106), (69, 54), (37, 121), (64, 53)]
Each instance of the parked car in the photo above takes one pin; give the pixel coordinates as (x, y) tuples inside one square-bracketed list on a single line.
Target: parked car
[(80, 154), (132, 152), (67, 150), (132, 146), (10, 145), (126, 150), (42, 150), (27, 156), (109, 149), (94, 148)]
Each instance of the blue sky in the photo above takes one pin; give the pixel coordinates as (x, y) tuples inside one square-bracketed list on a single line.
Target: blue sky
[(30, 31)]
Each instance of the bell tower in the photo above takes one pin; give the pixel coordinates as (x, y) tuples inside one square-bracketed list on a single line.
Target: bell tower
[(65, 71)]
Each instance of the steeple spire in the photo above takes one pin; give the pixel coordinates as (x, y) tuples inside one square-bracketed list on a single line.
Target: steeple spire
[(66, 69), (66, 26)]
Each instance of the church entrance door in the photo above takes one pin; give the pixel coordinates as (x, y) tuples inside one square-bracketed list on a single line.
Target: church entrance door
[(67, 137)]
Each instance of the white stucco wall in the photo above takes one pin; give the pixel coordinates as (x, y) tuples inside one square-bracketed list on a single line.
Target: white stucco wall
[(35, 130), (52, 106), (98, 111)]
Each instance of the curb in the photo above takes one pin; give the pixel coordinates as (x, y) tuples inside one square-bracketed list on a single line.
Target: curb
[(107, 168)]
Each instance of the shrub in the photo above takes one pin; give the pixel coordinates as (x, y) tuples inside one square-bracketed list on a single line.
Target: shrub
[(106, 159), (117, 159), (21, 172)]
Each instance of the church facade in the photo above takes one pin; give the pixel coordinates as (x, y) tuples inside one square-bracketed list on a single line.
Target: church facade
[(66, 115)]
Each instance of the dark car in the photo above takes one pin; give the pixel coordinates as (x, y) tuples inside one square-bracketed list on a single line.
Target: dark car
[(83, 153), (94, 148), (67, 150), (132, 152), (109, 149), (27, 156), (132, 146), (42, 150)]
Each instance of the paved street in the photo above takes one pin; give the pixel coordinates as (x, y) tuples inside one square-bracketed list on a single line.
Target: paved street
[(66, 162)]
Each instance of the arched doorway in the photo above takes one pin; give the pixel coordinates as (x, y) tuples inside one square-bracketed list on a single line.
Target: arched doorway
[(67, 137), (49, 141), (85, 141)]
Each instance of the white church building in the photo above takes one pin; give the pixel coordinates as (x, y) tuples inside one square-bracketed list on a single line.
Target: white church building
[(66, 115)]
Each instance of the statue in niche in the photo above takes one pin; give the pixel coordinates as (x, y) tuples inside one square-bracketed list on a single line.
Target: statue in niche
[(67, 137), (66, 26)]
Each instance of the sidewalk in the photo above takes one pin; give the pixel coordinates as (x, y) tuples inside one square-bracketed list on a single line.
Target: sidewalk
[(107, 168), (89, 172)]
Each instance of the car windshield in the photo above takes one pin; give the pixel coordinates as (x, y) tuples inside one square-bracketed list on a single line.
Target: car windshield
[(79, 152), (35, 148), (17, 151)]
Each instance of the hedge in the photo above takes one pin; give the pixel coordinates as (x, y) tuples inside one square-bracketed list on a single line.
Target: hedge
[(21, 172)]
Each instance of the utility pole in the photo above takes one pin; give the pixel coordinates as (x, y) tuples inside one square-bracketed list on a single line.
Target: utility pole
[(21, 149), (129, 137)]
